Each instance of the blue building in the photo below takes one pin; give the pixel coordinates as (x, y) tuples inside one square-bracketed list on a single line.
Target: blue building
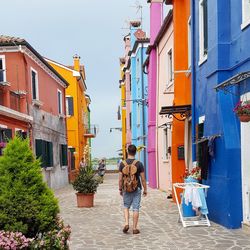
[(139, 86), (220, 78)]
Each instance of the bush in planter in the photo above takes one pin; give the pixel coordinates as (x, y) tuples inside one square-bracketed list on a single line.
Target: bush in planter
[(86, 181), (27, 205)]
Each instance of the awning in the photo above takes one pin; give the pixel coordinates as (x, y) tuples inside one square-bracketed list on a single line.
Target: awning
[(237, 79), (183, 110)]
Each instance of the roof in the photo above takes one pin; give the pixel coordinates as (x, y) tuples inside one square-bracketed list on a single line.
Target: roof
[(16, 41)]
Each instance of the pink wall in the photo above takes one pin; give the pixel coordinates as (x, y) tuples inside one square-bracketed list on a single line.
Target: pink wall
[(155, 25)]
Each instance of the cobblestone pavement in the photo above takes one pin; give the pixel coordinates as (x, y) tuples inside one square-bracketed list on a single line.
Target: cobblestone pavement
[(100, 228)]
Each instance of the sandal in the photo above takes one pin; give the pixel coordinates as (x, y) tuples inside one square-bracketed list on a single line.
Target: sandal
[(136, 231), (125, 229)]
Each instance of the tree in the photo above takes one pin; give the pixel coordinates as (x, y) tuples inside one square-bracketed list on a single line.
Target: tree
[(27, 204)]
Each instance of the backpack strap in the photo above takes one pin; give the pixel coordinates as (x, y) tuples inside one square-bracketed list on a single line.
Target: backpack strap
[(134, 162)]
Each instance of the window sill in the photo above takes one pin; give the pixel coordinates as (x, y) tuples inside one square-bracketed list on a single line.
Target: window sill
[(48, 168), (61, 116), (202, 60), (37, 103), (5, 84), (64, 167), (245, 24)]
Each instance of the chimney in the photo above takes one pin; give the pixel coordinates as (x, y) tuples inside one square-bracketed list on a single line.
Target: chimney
[(76, 62)]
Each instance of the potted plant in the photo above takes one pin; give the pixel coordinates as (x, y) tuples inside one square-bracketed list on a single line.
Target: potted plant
[(194, 175), (242, 109), (85, 184)]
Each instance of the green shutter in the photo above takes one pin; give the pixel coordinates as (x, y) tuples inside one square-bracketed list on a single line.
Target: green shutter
[(50, 154), (65, 155), (61, 154), (39, 151)]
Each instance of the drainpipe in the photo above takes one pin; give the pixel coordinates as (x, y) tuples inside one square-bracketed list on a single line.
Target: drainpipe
[(143, 110), (193, 72)]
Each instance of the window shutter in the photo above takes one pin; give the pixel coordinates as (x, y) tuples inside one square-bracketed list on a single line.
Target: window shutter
[(65, 155), (7, 134), (61, 154), (40, 151), (50, 154), (70, 106)]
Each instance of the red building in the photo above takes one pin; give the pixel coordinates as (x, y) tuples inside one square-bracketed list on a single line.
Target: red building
[(32, 102)]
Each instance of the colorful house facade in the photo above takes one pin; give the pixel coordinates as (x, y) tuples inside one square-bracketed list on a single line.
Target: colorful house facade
[(26, 107), (221, 61), (164, 44), (77, 114), (139, 91), (156, 13)]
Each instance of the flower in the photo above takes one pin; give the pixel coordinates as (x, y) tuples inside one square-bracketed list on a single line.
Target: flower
[(195, 173), (242, 108)]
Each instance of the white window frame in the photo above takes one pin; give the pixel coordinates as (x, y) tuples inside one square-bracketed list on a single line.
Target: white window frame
[(2, 57), (165, 144), (59, 102), (170, 68), (37, 92), (189, 42), (245, 14), (202, 55)]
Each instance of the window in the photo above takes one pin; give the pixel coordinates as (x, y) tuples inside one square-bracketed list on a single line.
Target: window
[(138, 115), (130, 82), (5, 134), (69, 106), (2, 69), (34, 83), (203, 30), (59, 98), (189, 42), (14, 101), (170, 67), (245, 13), (44, 150), (137, 70), (63, 154), (165, 143)]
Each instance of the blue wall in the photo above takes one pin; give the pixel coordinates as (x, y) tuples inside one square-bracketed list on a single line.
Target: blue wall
[(139, 79), (228, 54)]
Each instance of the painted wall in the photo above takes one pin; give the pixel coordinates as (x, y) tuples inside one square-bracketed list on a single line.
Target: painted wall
[(228, 54), (76, 123), (165, 90), (46, 123), (155, 25), (182, 82)]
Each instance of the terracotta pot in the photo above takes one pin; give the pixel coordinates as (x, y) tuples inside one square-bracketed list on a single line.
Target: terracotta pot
[(244, 118), (85, 200)]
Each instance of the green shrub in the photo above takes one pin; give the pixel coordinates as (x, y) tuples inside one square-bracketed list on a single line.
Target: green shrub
[(86, 182), (27, 205)]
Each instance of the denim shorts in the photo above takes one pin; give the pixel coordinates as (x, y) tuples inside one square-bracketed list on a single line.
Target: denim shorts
[(132, 199)]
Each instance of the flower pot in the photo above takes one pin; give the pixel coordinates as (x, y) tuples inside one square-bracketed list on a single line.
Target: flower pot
[(85, 200), (244, 118)]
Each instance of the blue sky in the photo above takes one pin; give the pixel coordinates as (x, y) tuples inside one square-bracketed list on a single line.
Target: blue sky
[(58, 29)]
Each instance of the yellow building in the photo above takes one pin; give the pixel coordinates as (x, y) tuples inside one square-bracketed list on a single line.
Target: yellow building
[(77, 102), (123, 106)]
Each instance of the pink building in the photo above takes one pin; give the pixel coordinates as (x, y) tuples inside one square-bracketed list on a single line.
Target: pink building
[(164, 44), (156, 12)]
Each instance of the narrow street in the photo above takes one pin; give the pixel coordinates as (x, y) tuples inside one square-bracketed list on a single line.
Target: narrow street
[(101, 227)]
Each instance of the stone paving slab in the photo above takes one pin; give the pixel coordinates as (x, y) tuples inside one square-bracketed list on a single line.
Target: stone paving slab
[(100, 228)]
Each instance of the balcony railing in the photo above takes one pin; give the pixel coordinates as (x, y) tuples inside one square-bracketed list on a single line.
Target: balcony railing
[(91, 132)]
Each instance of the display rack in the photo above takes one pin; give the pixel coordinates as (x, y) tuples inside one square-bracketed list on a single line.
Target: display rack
[(191, 221)]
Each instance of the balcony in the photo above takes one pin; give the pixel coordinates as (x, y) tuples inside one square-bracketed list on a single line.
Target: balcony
[(90, 132)]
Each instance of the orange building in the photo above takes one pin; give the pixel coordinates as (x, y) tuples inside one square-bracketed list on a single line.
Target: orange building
[(181, 152)]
